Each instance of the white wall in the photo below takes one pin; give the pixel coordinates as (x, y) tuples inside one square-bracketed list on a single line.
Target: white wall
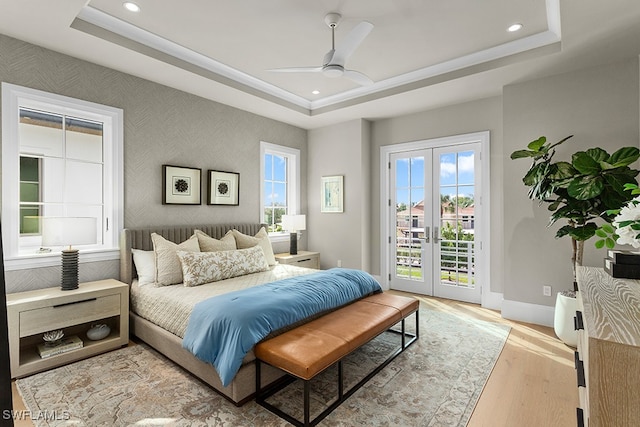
[(600, 107), (342, 149)]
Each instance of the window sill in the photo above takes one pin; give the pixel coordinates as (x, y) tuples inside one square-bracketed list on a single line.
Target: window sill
[(280, 237), (52, 259)]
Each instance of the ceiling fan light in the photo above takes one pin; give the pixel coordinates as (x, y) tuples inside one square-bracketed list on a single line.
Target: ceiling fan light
[(333, 71)]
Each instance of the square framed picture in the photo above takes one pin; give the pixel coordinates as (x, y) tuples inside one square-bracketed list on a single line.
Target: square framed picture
[(181, 185), (224, 188), (332, 194)]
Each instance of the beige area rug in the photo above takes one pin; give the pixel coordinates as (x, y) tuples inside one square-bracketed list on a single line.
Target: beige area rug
[(436, 382)]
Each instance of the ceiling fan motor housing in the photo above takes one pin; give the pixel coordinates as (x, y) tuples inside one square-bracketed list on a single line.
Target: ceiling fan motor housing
[(333, 70)]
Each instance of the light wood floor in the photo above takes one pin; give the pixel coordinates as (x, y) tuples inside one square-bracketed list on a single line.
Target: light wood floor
[(533, 383)]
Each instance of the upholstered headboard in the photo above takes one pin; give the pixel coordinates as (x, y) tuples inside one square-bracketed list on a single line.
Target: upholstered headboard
[(140, 238)]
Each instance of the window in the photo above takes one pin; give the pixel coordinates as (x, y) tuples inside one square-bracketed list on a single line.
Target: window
[(280, 193), (61, 157)]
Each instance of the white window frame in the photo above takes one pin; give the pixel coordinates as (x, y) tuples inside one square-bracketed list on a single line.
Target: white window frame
[(293, 182), (14, 97)]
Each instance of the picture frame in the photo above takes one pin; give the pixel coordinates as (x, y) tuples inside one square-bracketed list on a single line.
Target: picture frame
[(181, 185), (332, 194), (223, 188)]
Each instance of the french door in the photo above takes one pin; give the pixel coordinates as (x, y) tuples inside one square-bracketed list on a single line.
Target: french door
[(433, 222)]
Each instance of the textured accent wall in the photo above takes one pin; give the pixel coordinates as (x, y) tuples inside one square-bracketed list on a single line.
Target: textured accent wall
[(161, 126)]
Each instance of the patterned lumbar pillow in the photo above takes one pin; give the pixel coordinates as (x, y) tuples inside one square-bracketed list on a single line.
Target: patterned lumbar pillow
[(261, 238), (168, 269), (205, 267), (209, 244)]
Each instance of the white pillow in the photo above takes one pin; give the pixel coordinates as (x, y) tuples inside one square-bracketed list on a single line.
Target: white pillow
[(261, 238), (145, 266), (205, 267), (167, 265), (209, 244)]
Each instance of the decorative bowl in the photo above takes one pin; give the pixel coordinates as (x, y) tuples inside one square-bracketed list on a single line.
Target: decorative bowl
[(98, 332)]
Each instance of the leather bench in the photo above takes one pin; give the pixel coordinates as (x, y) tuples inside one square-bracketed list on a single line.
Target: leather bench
[(307, 350)]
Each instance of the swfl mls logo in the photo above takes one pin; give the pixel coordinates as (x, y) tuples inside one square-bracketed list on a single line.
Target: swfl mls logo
[(36, 415)]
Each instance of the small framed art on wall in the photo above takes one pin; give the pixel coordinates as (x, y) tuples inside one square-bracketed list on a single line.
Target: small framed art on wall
[(223, 188), (181, 185), (332, 194)]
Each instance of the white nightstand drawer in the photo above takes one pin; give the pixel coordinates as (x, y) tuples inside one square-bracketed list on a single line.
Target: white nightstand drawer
[(60, 316)]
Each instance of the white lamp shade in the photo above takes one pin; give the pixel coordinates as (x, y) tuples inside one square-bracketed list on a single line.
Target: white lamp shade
[(294, 223), (67, 231)]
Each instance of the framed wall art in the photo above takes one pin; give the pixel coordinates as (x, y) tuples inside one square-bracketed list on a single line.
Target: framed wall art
[(332, 194), (181, 185), (224, 188)]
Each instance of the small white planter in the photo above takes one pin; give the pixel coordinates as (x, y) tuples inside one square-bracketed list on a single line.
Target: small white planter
[(563, 320)]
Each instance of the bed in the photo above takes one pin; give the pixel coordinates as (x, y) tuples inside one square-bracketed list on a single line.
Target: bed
[(159, 315)]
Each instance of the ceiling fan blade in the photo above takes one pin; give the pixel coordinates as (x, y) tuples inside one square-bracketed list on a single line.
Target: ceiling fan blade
[(349, 44), (358, 77), (297, 70)]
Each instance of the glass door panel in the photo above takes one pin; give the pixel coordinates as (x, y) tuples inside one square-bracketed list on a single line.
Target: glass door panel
[(455, 248), (409, 227)]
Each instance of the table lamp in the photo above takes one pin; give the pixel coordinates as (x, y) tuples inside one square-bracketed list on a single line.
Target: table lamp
[(293, 224), (67, 231)]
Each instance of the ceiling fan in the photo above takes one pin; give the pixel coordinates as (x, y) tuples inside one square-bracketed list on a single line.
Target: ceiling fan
[(334, 60)]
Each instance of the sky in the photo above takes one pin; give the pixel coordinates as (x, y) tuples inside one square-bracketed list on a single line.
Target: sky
[(456, 176)]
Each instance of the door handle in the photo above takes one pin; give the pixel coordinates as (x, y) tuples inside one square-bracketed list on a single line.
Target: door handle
[(426, 234), (436, 239)]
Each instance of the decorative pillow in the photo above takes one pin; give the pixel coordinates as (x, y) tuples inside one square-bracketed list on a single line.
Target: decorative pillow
[(261, 238), (167, 264), (206, 267), (209, 244), (145, 266)]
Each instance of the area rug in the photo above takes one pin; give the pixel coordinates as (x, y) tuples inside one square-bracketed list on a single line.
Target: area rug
[(436, 382)]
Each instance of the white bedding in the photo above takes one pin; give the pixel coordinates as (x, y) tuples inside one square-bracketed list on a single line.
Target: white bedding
[(170, 306)]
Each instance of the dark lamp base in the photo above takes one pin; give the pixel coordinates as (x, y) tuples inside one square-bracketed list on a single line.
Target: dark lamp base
[(293, 243), (69, 269)]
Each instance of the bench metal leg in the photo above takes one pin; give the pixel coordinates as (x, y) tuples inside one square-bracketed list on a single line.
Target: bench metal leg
[(307, 409), (262, 395)]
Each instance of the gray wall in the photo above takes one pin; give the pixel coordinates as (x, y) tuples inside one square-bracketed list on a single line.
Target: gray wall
[(161, 126), (341, 149), (464, 118), (600, 107)]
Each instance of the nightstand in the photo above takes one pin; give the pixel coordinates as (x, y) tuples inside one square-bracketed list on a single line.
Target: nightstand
[(32, 313), (301, 259)]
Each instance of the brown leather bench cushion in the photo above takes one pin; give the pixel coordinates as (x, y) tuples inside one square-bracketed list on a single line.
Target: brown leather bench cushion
[(310, 348)]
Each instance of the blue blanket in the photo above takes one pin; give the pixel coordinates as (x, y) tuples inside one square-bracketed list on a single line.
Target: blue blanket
[(223, 329)]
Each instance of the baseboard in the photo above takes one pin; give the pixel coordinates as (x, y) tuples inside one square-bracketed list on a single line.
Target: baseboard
[(529, 313), (492, 300)]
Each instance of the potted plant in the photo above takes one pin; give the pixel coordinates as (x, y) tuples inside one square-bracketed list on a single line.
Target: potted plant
[(589, 187)]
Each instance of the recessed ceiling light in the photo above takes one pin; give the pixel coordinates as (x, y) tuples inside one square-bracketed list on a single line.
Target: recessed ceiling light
[(514, 28), (315, 92), (130, 6)]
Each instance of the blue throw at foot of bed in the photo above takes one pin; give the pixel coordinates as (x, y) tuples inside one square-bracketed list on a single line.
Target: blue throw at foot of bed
[(224, 328)]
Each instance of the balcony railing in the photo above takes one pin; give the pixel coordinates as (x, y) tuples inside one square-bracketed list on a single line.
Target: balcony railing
[(457, 260)]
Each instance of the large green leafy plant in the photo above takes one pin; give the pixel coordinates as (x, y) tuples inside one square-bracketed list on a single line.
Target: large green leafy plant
[(590, 186)]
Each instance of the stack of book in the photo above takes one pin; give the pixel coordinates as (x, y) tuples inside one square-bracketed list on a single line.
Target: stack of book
[(65, 344), (623, 264)]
